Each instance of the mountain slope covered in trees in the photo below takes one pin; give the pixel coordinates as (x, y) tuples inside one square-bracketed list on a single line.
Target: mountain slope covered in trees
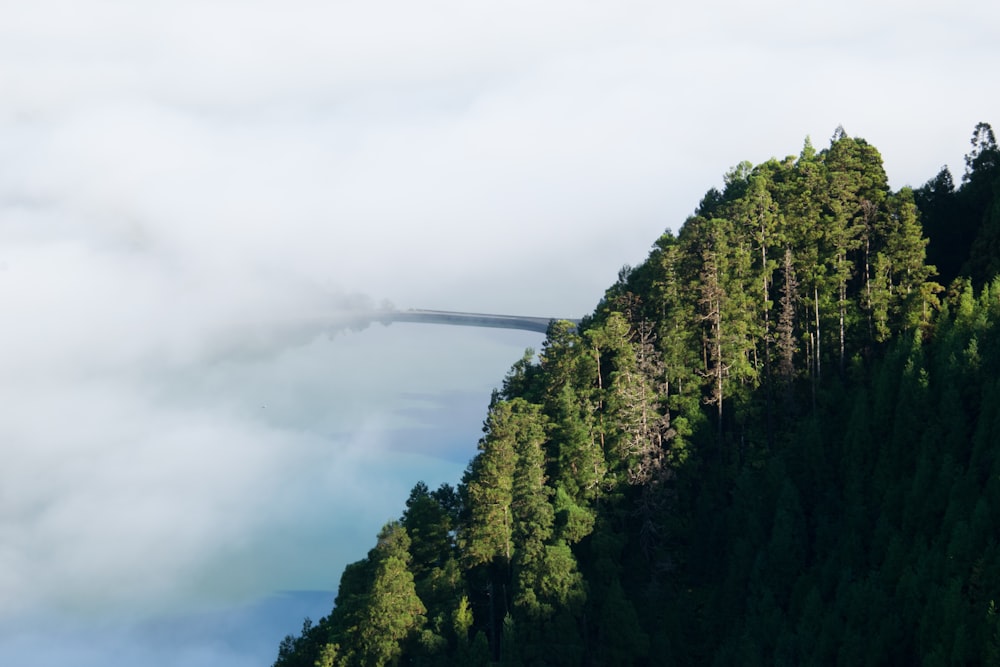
[(774, 442)]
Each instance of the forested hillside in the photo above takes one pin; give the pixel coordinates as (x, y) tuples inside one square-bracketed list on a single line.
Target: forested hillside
[(774, 442)]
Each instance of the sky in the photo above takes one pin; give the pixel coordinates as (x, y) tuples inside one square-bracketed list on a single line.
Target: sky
[(201, 202)]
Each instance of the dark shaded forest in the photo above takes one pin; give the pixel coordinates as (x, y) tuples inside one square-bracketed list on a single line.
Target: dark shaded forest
[(775, 441)]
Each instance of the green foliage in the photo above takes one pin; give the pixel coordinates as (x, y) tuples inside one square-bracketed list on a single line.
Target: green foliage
[(964, 223), (375, 623), (489, 487), (776, 441)]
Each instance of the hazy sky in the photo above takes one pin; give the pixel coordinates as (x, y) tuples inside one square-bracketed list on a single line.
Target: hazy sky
[(197, 196)]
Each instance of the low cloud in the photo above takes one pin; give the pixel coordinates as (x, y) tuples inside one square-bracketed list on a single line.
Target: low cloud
[(175, 441), (181, 435)]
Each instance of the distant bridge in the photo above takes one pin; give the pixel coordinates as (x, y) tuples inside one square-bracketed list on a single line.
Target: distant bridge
[(523, 323)]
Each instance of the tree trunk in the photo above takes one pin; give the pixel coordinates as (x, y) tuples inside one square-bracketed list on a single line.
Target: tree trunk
[(816, 347)]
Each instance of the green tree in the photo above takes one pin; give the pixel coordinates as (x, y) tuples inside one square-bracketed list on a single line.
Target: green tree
[(949, 232), (391, 612), (980, 195), (786, 338), (377, 610), (857, 187), (394, 612), (488, 490), (902, 298), (429, 526)]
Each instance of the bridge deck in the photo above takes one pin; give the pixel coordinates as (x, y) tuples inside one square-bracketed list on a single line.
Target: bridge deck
[(524, 323)]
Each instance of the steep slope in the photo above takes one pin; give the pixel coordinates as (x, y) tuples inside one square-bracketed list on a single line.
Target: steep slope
[(775, 441)]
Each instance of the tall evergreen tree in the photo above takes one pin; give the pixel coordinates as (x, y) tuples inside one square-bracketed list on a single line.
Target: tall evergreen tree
[(486, 535)]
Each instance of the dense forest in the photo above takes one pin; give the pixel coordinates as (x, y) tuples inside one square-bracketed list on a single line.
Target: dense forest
[(775, 441)]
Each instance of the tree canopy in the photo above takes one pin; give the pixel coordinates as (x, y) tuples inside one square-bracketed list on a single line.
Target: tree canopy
[(775, 441)]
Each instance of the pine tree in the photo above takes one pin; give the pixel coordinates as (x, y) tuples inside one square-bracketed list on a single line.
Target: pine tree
[(392, 611), (980, 194), (948, 230), (571, 407), (487, 488), (428, 525), (377, 609), (857, 188), (800, 193), (901, 296)]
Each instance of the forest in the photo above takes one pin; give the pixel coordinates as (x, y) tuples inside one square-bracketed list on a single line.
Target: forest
[(775, 441)]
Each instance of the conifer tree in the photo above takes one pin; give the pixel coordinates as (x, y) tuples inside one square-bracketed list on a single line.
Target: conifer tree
[(578, 460), (392, 611), (800, 193), (486, 534), (377, 609), (857, 188), (944, 224), (786, 343), (900, 301)]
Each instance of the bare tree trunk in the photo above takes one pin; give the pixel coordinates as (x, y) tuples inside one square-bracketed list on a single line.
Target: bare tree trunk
[(764, 302), (506, 519), (711, 302), (816, 347), (600, 398), (842, 305), (869, 210)]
